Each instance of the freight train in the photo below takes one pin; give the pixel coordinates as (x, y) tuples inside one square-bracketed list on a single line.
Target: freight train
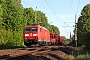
[(36, 34)]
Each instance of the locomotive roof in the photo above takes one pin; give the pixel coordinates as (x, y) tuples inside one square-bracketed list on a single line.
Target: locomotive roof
[(35, 25), (44, 28)]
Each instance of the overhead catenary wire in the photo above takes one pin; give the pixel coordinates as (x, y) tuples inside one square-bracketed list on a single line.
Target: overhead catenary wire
[(69, 9), (57, 14), (53, 10), (68, 13)]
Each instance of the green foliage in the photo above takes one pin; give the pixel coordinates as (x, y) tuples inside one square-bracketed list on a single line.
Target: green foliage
[(84, 27), (79, 53), (81, 57), (64, 37), (55, 29), (1, 12), (12, 23), (86, 10), (10, 38), (12, 16), (29, 16), (70, 57), (18, 38), (6, 37)]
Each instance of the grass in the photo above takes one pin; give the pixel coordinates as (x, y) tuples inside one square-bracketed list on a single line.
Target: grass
[(83, 57), (70, 57), (79, 53)]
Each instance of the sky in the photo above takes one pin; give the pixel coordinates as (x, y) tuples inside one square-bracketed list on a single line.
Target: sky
[(60, 12)]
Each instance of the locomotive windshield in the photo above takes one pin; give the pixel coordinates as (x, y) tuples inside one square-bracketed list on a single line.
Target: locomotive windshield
[(31, 30), (34, 29)]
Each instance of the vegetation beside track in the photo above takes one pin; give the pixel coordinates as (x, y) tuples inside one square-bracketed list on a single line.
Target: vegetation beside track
[(79, 53)]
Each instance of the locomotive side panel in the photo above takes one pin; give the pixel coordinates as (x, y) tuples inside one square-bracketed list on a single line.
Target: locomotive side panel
[(44, 35)]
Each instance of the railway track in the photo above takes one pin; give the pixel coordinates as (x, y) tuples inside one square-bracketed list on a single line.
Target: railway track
[(22, 52)]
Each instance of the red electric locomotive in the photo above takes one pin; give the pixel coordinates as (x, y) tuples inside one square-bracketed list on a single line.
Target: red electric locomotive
[(35, 34)]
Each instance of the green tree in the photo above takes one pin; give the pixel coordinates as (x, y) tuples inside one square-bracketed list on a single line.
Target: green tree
[(1, 12), (84, 26), (13, 21), (55, 29), (13, 15), (29, 14)]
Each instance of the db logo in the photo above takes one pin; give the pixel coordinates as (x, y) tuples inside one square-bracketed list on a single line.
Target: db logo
[(30, 34)]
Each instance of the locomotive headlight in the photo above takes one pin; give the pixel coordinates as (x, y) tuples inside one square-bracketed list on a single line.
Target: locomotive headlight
[(25, 38), (34, 34), (26, 34)]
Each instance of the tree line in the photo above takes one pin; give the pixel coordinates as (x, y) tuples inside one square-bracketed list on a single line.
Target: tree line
[(83, 28), (13, 18)]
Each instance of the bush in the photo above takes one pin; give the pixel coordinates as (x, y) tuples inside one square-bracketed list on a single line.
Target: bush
[(10, 38), (70, 57), (83, 57)]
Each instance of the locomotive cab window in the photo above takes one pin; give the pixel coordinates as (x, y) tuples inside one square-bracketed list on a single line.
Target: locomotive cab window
[(31, 29), (28, 29), (34, 29)]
